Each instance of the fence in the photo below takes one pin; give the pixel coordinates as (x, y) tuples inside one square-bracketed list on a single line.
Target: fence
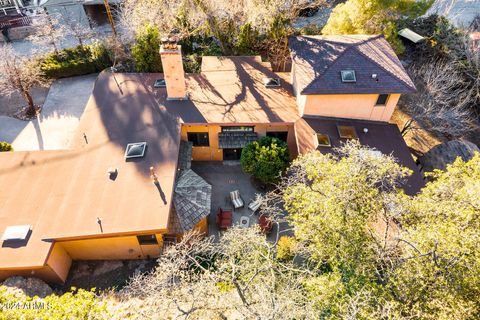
[(16, 22)]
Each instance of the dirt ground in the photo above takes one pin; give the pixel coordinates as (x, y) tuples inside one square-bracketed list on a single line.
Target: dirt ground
[(9, 105), (105, 274), (418, 140)]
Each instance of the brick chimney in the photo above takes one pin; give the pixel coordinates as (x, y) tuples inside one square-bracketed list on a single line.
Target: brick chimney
[(171, 55)]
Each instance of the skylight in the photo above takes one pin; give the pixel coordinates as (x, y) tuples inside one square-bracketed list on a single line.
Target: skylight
[(348, 76), (271, 82), (323, 140), (135, 150), (347, 132), (160, 83), (16, 232)]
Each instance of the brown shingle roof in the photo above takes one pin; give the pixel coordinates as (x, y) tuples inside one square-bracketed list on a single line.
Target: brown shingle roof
[(319, 60)]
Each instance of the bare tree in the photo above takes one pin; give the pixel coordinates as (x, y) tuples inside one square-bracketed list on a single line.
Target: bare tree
[(48, 31), (237, 277), (221, 19), (17, 74), (443, 102), (80, 30)]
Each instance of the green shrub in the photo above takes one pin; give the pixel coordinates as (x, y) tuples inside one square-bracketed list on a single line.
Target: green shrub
[(286, 248), (101, 56), (79, 304), (5, 146), (75, 61), (145, 51), (265, 159), (247, 40), (192, 63)]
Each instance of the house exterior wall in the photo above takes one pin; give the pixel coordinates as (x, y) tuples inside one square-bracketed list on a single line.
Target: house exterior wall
[(45, 273), (351, 106), (202, 226), (111, 248), (55, 269), (213, 152), (59, 261)]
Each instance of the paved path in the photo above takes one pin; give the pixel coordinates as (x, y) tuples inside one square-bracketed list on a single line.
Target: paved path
[(60, 116)]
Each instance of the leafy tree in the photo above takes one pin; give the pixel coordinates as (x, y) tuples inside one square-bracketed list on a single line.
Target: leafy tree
[(337, 207), (5, 146), (265, 159), (145, 50), (439, 273), (385, 254), (373, 16)]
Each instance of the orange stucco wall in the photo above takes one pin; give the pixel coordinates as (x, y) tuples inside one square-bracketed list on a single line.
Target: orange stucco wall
[(111, 248), (355, 106), (202, 226), (45, 273), (59, 261), (213, 152), (55, 270)]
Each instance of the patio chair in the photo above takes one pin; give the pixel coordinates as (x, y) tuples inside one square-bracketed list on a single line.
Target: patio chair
[(236, 199), (265, 223), (224, 219), (254, 205)]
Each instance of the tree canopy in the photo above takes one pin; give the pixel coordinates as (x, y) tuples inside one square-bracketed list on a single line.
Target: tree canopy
[(374, 17)]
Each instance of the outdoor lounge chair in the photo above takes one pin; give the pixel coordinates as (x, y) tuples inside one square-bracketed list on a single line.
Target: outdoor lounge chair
[(224, 219), (254, 205), (265, 223), (236, 199)]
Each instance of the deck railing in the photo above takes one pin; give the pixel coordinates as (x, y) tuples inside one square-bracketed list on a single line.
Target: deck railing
[(16, 22)]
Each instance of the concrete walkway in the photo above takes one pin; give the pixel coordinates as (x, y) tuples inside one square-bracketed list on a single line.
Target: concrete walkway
[(56, 124)]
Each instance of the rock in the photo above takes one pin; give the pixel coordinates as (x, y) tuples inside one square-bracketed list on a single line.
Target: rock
[(28, 286), (107, 266)]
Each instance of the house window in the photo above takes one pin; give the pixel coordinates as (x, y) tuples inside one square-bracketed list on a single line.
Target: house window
[(147, 239), (347, 132), (382, 100), (281, 135), (323, 140), (348, 76), (237, 129), (199, 139)]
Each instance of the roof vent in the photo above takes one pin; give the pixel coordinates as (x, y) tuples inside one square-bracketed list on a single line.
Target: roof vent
[(160, 83), (348, 76), (16, 232), (271, 82), (135, 150)]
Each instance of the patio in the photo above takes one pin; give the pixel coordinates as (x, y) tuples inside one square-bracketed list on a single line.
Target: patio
[(225, 177)]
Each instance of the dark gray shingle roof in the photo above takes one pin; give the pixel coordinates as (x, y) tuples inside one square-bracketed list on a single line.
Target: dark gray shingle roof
[(319, 60), (192, 199)]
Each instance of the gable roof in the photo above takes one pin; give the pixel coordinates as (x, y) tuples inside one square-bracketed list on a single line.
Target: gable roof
[(319, 60)]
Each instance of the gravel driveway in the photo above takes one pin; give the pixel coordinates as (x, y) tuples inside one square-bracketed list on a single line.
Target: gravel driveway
[(56, 124)]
